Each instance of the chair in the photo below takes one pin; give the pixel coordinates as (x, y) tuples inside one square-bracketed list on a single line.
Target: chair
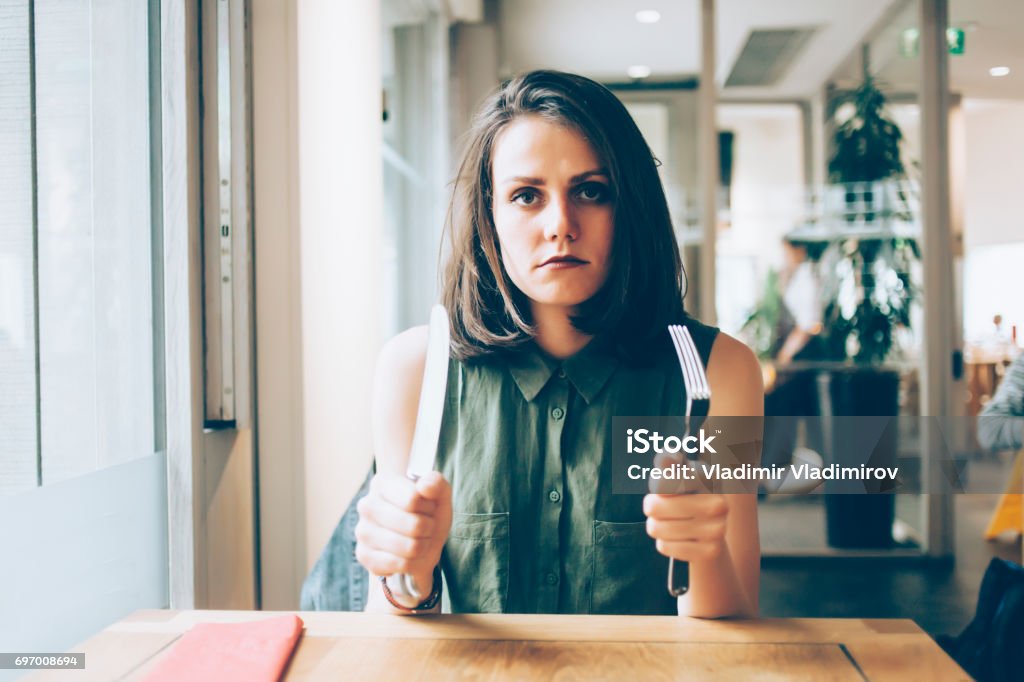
[(1009, 513)]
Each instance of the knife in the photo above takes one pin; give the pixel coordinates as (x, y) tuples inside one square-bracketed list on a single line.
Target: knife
[(428, 430), (431, 406)]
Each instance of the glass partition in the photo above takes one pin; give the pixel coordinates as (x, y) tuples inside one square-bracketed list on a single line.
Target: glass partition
[(819, 269)]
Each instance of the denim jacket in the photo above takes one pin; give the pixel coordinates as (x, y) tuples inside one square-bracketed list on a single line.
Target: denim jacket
[(338, 582)]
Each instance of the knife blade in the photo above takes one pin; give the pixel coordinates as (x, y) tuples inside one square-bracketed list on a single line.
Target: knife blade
[(429, 413), (431, 405)]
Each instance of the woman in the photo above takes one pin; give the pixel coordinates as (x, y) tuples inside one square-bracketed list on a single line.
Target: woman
[(801, 313), (1001, 423), (563, 275)]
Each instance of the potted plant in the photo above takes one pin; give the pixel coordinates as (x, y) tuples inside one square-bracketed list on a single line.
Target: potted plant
[(868, 297), (865, 148), (760, 328)]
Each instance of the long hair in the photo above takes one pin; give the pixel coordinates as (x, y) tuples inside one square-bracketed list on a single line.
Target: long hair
[(644, 288)]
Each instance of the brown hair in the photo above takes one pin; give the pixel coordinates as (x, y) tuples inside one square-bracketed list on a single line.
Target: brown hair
[(644, 289)]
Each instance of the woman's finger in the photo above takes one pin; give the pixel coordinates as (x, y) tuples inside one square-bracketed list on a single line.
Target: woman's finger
[(693, 530), (385, 540), (386, 515), (685, 506), (401, 492), (689, 551), (380, 563)]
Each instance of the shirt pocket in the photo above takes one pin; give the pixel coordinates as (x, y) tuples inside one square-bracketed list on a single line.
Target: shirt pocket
[(476, 562), (628, 575)]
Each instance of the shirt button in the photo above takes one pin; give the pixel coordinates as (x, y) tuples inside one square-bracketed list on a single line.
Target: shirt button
[(561, 374), (558, 413), (551, 578), (554, 496)]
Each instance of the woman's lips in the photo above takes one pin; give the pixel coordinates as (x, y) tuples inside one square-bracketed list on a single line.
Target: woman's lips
[(562, 262)]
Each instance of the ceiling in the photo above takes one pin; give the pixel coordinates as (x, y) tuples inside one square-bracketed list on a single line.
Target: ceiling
[(994, 37), (601, 39)]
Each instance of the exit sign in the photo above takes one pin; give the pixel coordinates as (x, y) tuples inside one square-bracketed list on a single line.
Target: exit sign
[(910, 41), (955, 40)]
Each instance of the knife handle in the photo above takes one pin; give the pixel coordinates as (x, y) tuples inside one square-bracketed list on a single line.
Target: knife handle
[(678, 577), (403, 586), (405, 590)]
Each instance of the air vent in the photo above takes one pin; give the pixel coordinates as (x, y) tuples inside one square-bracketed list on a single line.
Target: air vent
[(767, 55)]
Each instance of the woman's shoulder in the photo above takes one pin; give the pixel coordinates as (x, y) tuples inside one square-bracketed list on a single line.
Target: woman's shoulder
[(734, 374), (730, 351), (403, 358), (406, 349), (400, 364)]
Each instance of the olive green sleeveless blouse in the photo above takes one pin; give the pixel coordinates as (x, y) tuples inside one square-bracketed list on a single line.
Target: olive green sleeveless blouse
[(525, 445)]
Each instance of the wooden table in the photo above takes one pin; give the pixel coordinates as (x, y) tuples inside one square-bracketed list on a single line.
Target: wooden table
[(359, 646)]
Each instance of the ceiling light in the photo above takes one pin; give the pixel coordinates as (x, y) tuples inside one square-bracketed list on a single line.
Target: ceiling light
[(648, 16), (999, 71), (638, 71)]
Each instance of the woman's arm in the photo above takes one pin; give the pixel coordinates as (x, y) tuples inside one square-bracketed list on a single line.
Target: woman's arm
[(794, 343), (717, 533), (403, 525), (1001, 422), (730, 585)]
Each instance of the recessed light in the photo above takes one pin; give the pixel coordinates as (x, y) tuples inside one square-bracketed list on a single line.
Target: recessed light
[(999, 71), (648, 16), (638, 71)]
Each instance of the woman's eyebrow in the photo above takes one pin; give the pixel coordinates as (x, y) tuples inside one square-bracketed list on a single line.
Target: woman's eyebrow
[(522, 179), (588, 174), (526, 180)]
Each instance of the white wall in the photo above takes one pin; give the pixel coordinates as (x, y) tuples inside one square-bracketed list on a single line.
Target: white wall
[(993, 216), (995, 172), (317, 172), (340, 209), (767, 201)]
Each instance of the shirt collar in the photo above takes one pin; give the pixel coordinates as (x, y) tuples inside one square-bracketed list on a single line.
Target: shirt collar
[(588, 370)]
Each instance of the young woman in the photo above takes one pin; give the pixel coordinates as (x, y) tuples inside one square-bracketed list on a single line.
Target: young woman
[(563, 275)]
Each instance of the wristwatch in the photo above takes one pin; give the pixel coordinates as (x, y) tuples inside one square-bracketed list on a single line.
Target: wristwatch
[(426, 605)]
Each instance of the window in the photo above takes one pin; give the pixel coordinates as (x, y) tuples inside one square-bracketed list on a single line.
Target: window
[(76, 240), (83, 478)]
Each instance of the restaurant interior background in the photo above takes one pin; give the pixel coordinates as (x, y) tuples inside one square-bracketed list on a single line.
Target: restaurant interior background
[(191, 297)]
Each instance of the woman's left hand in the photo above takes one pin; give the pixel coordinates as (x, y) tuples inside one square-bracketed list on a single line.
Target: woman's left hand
[(687, 527)]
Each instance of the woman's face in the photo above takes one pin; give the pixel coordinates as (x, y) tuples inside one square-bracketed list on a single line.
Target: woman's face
[(553, 212)]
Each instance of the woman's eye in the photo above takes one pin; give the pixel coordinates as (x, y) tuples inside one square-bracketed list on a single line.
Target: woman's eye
[(594, 192), (524, 197)]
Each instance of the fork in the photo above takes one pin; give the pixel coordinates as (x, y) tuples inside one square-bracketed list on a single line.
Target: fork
[(696, 382)]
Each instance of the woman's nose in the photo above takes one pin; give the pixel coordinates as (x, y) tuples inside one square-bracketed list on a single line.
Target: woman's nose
[(560, 221)]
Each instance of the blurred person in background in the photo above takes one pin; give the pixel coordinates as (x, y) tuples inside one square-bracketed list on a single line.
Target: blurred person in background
[(1001, 427), (793, 392), (1001, 422)]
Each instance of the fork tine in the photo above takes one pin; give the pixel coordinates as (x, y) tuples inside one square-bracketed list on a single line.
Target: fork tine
[(692, 367), (673, 332), (702, 378)]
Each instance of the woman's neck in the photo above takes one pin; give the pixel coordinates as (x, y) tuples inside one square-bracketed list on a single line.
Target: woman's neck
[(555, 334)]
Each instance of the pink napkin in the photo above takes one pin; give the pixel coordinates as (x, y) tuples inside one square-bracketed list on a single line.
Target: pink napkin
[(250, 652)]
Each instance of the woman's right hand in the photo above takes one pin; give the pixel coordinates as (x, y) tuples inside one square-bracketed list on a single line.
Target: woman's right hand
[(403, 525)]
